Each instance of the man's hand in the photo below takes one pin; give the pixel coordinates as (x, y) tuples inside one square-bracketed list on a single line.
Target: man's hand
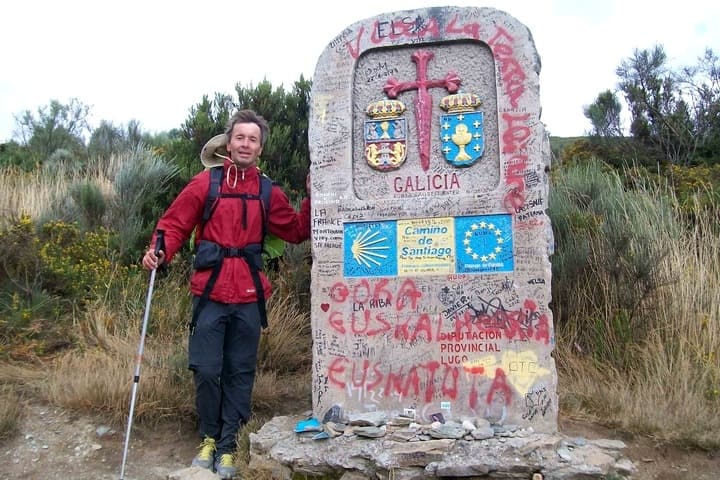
[(151, 261)]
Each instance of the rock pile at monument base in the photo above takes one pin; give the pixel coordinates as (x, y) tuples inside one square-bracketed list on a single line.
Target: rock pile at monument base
[(508, 453)]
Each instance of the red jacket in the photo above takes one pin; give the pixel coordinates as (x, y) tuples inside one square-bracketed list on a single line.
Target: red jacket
[(234, 284)]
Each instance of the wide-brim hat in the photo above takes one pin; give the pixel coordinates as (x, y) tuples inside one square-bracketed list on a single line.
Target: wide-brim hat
[(215, 151)]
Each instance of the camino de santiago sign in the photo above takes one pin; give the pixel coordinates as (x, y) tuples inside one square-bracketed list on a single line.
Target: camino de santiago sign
[(431, 271)]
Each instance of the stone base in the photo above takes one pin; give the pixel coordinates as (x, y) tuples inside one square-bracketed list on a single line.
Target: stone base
[(277, 449), (193, 473)]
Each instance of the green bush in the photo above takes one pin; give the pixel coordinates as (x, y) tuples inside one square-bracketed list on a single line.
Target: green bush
[(83, 203), (12, 154), (610, 242), (145, 185), (91, 204)]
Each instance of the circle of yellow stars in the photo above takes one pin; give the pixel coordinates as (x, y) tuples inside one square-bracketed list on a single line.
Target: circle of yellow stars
[(498, 241)]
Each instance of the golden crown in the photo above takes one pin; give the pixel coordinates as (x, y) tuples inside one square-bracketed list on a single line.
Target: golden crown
[(385, 109), (460, 102)]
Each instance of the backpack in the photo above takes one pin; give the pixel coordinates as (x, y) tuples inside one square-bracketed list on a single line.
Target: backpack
[(211, 255)]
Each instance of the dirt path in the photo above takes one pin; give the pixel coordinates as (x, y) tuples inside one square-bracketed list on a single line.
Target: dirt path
[(653, 460), (55, 444)]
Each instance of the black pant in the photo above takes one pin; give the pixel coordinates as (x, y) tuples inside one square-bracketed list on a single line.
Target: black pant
[(223, 355)]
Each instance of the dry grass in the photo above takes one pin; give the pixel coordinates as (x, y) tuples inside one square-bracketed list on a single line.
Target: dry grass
[(672, 387), (98, 376), (16, 382), (285, 346), (33, 193), (100, 380), (281, 394), (10, 412)]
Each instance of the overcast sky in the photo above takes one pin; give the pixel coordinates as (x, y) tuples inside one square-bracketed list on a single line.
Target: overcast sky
[(152, 60)]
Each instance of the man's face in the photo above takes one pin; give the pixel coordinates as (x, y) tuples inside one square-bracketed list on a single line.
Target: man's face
[(245, 145)]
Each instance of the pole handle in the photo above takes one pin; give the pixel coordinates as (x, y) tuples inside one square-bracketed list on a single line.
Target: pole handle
[(159, 241)]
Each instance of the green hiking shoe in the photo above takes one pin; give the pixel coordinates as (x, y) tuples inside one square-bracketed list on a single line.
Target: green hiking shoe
[(225, 466), (206, 455)]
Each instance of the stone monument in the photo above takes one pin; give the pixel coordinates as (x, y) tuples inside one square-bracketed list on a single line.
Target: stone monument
[(431, 243)]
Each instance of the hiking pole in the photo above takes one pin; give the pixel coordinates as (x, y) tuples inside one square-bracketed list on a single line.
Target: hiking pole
[(159, 245)]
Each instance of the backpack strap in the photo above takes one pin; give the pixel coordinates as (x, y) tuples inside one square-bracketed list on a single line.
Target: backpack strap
[(266, 185), (213, 193)]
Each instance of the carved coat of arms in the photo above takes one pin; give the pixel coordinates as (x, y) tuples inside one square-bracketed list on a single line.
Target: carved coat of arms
[(461, 129), (385, 135)]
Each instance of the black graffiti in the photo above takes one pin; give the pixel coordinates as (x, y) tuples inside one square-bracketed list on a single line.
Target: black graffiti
[(536, 402)]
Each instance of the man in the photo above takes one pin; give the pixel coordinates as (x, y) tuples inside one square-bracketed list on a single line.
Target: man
[(228, 287)]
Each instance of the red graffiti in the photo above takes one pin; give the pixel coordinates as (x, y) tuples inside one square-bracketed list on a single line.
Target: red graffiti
[(531, 316), (511, 73), (499, 385), (473, 398), (515, 139), (491, 321), (338, 368), (474, 369), (471, 29), (339, 292), (452, 390), (408, 294), (402, 383), (423, 327), (355, 50), (363, 292), (418, 380), (542, 330), (366, 323), (516, 133), (371, 323)]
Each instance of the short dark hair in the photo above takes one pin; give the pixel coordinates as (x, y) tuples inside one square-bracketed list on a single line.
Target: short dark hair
[(249, 116)]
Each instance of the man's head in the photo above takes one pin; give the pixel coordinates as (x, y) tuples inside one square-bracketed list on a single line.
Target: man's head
[(246, 135)]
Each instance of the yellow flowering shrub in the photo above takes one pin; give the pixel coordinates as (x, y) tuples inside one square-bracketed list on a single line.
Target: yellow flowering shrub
[(75, 264), (46, 273)]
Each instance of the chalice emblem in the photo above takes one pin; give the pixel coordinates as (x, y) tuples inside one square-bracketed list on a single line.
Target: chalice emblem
[(461, 129)]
